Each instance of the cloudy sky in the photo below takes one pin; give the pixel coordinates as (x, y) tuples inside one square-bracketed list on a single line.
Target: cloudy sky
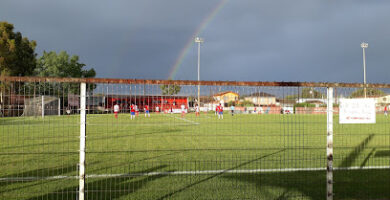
[(255, 40)]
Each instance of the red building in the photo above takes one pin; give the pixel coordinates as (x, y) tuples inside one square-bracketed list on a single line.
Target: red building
[(164, 103)]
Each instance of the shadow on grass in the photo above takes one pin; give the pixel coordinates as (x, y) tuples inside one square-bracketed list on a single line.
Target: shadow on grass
[(286, 185), (348, 161), (34, 177), (105, 188), (215, 175), (348, 184), (356, 184), (108, 165), (160, 130), (362, 184), (15, 121), (368, 157), (382, 153), (90, 139), (36, 174)]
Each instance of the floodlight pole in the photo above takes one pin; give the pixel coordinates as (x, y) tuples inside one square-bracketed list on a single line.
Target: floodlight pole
[(364, 46), (199, 41)]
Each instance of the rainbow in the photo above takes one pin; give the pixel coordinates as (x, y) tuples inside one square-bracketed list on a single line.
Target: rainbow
[(190, 41)]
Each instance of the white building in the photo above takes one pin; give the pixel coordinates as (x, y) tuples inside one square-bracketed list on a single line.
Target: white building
[(261, 98)]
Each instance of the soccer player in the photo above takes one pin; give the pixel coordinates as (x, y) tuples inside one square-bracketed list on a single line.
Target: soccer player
[(220, 111), (116, 110), (183, 110), (136, 110), (157, 109), (267, 110), (197, 110), (132, 112), (260, 110), (232, 109), (385, 110), (147, 111)]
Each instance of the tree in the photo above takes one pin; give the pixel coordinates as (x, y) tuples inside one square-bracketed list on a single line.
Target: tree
[(51, 64), (310, 93), (306, 93), (17, 56), (170, 89), (370, 92), (291, 97)]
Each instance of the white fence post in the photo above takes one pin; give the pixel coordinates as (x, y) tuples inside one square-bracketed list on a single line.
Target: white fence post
[(43, 106), (82, 140), (329, 146), (59, 106)]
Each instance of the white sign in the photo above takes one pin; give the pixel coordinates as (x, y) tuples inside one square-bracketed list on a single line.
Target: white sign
[(176, 111), (357, 111), (288, 110)]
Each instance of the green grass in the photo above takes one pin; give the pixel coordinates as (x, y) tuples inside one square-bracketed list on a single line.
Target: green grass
[(35, 147)]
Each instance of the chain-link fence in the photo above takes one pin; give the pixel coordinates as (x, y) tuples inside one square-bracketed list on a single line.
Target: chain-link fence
[(64, 138)]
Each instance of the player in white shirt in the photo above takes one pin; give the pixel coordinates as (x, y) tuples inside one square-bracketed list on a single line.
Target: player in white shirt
[(183, 110), (116, 110), (197, 110), (136, 110), (157, 109)]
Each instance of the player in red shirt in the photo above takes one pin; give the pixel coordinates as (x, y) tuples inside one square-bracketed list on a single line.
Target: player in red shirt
[(220, 111), (132, 111), (147, 111)]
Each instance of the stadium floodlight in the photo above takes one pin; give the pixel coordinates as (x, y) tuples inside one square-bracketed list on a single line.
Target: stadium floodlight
[(199, 41), (364, 45)]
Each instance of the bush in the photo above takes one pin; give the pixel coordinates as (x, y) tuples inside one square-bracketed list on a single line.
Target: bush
[(245, 104), (335, 105), (310, 105)]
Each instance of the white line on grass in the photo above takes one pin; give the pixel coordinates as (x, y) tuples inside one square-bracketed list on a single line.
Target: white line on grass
[(192, 122), (204, 172)]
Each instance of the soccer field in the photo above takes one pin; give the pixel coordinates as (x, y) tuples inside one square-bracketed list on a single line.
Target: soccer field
[(169, 157)]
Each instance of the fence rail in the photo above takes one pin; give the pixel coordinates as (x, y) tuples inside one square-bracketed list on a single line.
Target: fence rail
[(188, 82)]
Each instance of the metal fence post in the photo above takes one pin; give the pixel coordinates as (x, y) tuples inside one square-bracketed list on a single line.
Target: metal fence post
[(82, 140), (329, 146)]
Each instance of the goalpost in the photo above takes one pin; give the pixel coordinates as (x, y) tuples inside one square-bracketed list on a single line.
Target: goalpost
[(41, 106)]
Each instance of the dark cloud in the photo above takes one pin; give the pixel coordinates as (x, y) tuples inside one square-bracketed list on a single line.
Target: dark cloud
[(278, 40)]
